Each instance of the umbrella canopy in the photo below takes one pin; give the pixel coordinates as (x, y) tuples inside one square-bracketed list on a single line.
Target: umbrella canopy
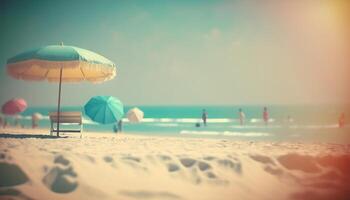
[(44, 63), (104, 109), (59, 63), (14, 106), (135, 115), (37, 116)]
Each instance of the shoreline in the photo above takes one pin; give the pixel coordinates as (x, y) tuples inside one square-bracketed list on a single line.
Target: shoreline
[(230, 136)]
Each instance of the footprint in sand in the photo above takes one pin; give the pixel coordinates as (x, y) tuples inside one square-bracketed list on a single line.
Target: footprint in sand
[(188, 162), (262, 159), (235, 166), (273, 170), (62, 160), (134, 162), (11, 175), (203, 166), (211, 175), (172, 167), (209, 158), (164, 157), (61, 178), (108, 159), (132, 158)]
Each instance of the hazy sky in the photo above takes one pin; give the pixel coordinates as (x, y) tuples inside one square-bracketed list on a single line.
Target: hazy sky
[(189, 52)]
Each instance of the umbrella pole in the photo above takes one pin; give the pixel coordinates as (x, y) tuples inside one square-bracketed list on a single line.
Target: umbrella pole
[(59, 104)]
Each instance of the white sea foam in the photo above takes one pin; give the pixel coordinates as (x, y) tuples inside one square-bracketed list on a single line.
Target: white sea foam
[(219, 120), (246, 134), (29, 117), (165, 124), (187, 132), (187, 120), (166, 120), (255, 126), (88, 121), (259, 120), (149, 120)]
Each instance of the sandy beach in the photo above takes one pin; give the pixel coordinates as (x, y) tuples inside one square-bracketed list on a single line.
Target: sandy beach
[(108, 166)]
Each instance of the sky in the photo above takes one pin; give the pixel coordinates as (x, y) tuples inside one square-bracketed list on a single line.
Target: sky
[(188, 52)]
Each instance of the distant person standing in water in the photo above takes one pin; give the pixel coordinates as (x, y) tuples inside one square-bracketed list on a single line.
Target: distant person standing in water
[(120, 125), (341, 121), (34, 121), (204, 117), (241, 116), (265, 116)]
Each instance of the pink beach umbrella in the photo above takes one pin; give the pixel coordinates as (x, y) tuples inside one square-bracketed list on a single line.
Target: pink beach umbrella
[(14, 106)]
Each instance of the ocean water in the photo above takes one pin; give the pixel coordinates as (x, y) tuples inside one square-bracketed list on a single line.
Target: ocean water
[(317, 123)]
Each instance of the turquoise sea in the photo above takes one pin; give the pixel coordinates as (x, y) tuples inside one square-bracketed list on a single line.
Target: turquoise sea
[(293, 122)]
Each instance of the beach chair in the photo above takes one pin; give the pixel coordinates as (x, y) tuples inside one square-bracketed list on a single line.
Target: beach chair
[(66, 118)]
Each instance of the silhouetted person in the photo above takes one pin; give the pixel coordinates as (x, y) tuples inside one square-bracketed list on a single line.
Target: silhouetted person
[(34, 121), (241, 116), (120, 125), (115, 128), (341, 121), (204, 117), (265, 116)]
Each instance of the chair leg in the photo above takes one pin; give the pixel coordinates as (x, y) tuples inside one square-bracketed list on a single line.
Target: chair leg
[(51, 129), (81, 130)]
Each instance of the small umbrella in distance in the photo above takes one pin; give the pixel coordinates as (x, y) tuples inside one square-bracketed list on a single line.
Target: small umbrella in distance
[(35, 119), (104, 109), (135, 115), (14, 106), (37, 116)]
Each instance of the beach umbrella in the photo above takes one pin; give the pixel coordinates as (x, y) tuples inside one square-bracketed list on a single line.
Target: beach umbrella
[(135, 115), (60, 63), (104, 109), (14, 106), (37, 116)]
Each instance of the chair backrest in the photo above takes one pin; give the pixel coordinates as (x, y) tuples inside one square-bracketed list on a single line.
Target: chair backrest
[(66, 117)]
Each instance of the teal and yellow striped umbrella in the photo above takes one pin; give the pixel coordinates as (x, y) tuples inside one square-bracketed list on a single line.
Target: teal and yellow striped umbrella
[(60, 63), (104, 109), (46, 63)]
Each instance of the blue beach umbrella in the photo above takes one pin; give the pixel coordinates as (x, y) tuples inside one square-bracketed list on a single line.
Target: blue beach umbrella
[(104, 109), (61, 63)]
